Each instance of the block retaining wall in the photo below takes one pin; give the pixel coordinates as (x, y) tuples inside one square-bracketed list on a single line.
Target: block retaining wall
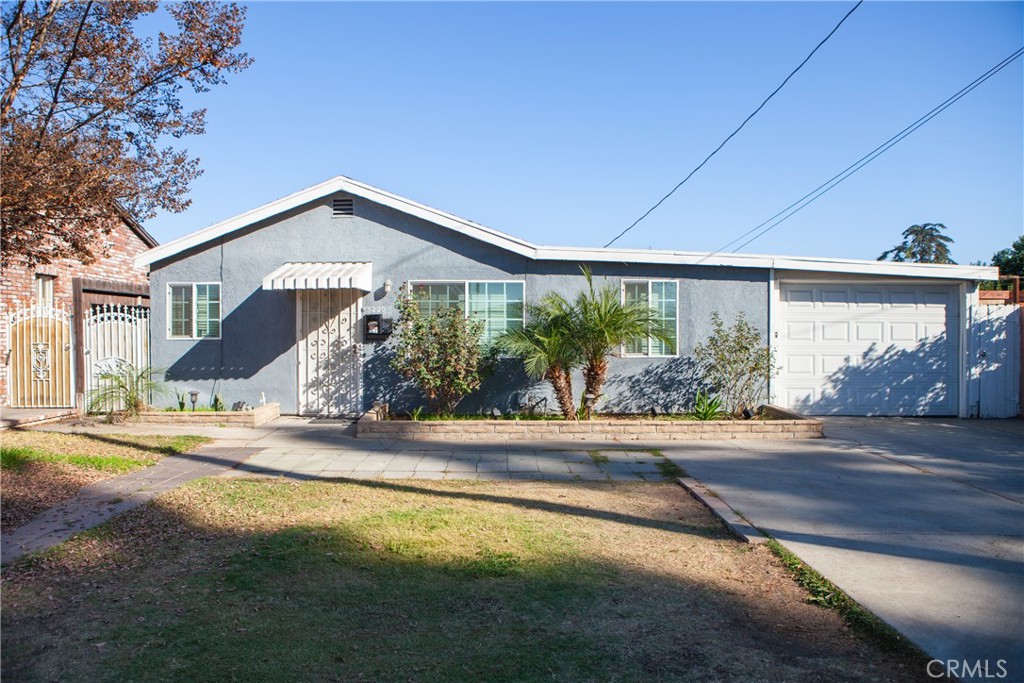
[(782, 424), (235, 418)]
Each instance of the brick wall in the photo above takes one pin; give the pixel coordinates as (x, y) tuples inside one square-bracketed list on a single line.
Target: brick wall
[(115, 261)]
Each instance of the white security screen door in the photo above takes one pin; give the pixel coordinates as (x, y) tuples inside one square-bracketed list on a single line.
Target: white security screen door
[(329, 367)]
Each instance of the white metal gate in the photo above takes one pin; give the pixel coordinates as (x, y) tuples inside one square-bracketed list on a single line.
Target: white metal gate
[(114, 336), (328, 361), (39, 365), (996, 341)]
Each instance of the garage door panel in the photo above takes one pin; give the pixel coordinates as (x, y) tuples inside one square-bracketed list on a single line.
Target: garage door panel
[(800, 297), (800, 331), (903, 332), (868, 349), (903, 299), (801, 363), (868, 299), (869, 331), (835, 331), (833, 363), (835, 298)]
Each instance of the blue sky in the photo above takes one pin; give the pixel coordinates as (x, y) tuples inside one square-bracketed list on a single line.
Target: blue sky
[(561, 123)]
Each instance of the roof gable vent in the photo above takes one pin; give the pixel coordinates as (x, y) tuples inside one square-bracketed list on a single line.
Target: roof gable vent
[(342, 206)]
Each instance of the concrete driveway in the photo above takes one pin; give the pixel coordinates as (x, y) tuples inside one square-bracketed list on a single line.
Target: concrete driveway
[(919, 520)]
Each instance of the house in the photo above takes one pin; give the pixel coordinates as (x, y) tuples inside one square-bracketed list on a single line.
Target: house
[(43, 309), (289, 303)]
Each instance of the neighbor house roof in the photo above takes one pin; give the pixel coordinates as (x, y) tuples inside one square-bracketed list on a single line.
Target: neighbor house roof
[(135, 227), (545, 253)]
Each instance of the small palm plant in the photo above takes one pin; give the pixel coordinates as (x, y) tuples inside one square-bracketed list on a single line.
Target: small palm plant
[(125, 390), (602, 323), (547, 348)]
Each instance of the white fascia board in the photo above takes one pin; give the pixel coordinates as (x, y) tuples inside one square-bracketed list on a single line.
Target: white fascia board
[(329, 187), (534, 252), (807, 264)]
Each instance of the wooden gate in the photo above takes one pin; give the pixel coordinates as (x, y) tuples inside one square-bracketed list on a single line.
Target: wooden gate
[(40, 372), (115, 336)]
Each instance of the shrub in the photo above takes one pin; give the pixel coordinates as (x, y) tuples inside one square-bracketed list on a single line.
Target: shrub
[(125, 390), (441, 353), (736, 363)]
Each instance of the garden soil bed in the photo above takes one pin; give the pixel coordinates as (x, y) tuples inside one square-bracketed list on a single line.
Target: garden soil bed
[(777, 423)]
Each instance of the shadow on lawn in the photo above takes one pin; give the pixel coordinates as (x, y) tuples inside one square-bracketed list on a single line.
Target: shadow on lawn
[(167, 449), (411, 589)]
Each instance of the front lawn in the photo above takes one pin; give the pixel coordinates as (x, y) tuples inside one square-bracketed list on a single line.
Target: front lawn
[(422, 581), (40, 469)]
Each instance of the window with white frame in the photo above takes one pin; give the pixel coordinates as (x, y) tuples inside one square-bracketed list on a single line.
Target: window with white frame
[(499, 304), (193, 310), (661, 296), (44, 289)]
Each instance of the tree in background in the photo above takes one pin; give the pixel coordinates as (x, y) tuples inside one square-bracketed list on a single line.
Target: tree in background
[(922, 244), (1010, 261), (88, 111)]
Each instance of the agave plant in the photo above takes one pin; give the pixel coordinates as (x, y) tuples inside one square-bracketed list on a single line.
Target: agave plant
[(707, 407), (125, 389)]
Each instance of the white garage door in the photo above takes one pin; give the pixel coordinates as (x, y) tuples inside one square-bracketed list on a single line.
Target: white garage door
[(868, 349)]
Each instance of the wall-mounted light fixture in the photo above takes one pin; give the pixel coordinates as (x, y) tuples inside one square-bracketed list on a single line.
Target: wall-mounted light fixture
[(387, 286)]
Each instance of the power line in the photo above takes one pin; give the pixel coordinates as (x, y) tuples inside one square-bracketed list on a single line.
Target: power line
[(864, 160), (754, 113)]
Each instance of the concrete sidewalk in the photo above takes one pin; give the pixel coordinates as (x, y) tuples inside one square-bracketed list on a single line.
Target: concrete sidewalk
[(920, 522)]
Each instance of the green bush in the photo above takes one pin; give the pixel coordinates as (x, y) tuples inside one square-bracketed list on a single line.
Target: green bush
[(441, 353), (736, 363)]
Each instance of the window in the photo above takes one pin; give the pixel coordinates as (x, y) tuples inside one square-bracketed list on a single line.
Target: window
[(660, 295), (44, 290), (498, 304), (193, 311)]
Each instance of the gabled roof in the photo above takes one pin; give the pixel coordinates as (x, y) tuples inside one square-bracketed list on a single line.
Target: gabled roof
[(135, 227), (544, 253)]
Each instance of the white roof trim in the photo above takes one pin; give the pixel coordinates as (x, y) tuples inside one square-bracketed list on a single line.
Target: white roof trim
[(541, 253), (334, 275)]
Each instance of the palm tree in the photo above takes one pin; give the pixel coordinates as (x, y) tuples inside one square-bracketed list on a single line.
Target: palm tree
[(922, 244), (546, 347), (602, 324)]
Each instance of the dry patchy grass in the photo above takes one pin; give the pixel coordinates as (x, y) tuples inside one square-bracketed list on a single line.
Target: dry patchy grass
[(423, 581), (41, 469)]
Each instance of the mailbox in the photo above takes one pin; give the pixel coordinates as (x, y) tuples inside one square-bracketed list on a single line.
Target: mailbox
[(376, 327)]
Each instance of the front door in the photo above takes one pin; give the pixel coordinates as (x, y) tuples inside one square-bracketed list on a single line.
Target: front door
[(328, 353)]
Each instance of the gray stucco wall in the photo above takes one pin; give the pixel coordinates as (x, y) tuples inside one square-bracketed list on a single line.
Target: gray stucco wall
[(257, 350)]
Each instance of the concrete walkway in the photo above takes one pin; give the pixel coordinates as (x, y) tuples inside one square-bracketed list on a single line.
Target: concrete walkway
[(302, 449), (919, 520)]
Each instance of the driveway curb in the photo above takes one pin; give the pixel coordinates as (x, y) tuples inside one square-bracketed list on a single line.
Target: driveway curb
[(740, 527)]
